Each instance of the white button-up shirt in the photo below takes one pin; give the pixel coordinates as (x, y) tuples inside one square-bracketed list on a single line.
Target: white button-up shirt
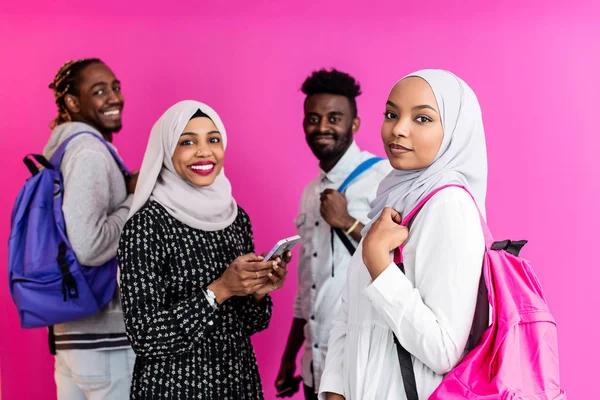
[(321, 271), (430, 309)]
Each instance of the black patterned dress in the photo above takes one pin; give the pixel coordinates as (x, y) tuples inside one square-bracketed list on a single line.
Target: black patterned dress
[(185, 348)]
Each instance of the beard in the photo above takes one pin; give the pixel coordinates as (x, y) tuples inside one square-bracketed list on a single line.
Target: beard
[(330, 151)]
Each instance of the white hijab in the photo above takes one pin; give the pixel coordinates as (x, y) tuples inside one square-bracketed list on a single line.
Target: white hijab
[(462, 157), (210, 208)]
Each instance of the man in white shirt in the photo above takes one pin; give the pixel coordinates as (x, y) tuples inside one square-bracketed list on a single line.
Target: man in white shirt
[(330, 122)]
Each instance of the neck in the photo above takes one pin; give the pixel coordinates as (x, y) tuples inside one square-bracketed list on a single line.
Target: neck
[(327, 165), (107, 135)]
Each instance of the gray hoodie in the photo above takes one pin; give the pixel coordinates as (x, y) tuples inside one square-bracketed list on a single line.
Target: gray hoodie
[(95, 208)]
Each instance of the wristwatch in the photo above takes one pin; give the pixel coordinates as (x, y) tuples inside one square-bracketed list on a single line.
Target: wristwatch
[(210, 296)]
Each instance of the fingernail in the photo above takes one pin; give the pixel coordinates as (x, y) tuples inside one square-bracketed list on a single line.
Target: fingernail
[(270, 275), (275, 267)]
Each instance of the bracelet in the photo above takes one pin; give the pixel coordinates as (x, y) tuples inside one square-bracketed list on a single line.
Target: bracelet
[(353, 227)]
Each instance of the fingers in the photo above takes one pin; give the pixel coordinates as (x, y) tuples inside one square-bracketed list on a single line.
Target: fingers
[(287, 256), (280, 271), (259, 266), (390, 213), (250, 258)]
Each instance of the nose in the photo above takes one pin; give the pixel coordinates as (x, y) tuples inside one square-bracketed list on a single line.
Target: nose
[(324, 126), (400, 129), (203, 150), (114, 97)]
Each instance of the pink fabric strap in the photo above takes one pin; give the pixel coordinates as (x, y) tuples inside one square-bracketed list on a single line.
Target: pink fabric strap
[(398, 258)]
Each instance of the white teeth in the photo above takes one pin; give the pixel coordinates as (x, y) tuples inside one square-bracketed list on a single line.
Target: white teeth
[(112, 112), (203, 167)]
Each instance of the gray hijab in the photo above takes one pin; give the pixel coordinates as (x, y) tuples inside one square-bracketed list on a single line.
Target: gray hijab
[(210, 208), (461, 159)]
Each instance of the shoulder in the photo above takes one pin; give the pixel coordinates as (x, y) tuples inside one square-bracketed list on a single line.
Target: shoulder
[(452, 211), (150, 219), (452, 198), (90, 151), (242, 217), (378, 170), (87, 143)]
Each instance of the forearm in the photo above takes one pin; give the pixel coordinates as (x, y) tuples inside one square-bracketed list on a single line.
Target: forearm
[(356, 230), (295, 339)]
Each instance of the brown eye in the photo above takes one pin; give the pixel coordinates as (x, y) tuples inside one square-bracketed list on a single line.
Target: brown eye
[(389, 115), (423, 119)]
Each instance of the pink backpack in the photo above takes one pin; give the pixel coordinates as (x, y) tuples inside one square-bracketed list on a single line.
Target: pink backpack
[(517, 355)]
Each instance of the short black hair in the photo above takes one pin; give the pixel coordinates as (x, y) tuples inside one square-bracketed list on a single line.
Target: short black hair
[(333, 82), (67, 81)]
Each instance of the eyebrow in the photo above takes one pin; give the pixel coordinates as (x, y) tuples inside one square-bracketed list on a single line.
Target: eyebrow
[(420, 107), (329, 113), (195, 134), (104, 84)]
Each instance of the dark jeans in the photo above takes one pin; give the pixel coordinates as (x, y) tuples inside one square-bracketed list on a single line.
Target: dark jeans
[(309, 393)]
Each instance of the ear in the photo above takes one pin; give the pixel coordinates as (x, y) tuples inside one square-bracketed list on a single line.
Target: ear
[(72, 104), (355, 125)]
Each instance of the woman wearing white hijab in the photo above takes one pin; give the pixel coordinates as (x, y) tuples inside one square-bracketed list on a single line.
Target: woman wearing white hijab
[(433, 136), (193, 291)]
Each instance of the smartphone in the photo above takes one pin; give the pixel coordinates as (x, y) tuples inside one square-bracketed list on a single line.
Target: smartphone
[(282, 246)]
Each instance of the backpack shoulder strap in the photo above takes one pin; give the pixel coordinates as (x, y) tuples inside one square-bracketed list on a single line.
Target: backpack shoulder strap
[(365, 165), (56, 158), (489, 240)]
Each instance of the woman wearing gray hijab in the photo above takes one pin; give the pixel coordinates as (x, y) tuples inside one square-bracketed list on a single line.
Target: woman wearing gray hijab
[(433, 136), (193, 291)]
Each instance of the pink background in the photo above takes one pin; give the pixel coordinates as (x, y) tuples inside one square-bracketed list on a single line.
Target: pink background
[(534, 67)]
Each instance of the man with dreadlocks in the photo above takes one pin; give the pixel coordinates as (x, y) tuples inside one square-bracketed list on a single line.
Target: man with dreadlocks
[(329, 222), (93, 357)]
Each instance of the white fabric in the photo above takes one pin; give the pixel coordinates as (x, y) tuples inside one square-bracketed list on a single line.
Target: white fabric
[(462, 157), (210, 208), (323, 302), (430, 308)]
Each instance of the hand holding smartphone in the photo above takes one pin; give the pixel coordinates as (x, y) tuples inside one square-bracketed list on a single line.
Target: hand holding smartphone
[(282, 246), (291, 387)]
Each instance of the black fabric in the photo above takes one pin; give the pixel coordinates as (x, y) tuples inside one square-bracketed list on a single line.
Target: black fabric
[(406, 366), (186, 348), (309, 393), (31, 165), (200, 114), (69, 285), (51, 343), (511, 247), (344, 238), (347, 243)]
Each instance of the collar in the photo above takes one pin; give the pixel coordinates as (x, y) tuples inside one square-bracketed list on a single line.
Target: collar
[(344, 166)]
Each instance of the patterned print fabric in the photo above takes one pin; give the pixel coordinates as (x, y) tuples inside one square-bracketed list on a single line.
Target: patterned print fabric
[(186, 348)]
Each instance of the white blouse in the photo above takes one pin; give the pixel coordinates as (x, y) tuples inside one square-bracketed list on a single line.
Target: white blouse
[(430, 308)]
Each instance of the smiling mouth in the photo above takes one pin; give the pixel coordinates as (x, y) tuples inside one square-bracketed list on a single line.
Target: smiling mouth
[(203, 169), (112, 113), (323, 139)]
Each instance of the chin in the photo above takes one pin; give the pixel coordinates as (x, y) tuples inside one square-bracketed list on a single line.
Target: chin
[(206, 181), (115, 128)]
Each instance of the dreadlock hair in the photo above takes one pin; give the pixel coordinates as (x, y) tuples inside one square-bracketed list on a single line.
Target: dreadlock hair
[(66, 82), (333, 82)]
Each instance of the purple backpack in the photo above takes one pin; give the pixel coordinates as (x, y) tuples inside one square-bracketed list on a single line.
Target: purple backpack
[(47, 283), (516, 357)]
